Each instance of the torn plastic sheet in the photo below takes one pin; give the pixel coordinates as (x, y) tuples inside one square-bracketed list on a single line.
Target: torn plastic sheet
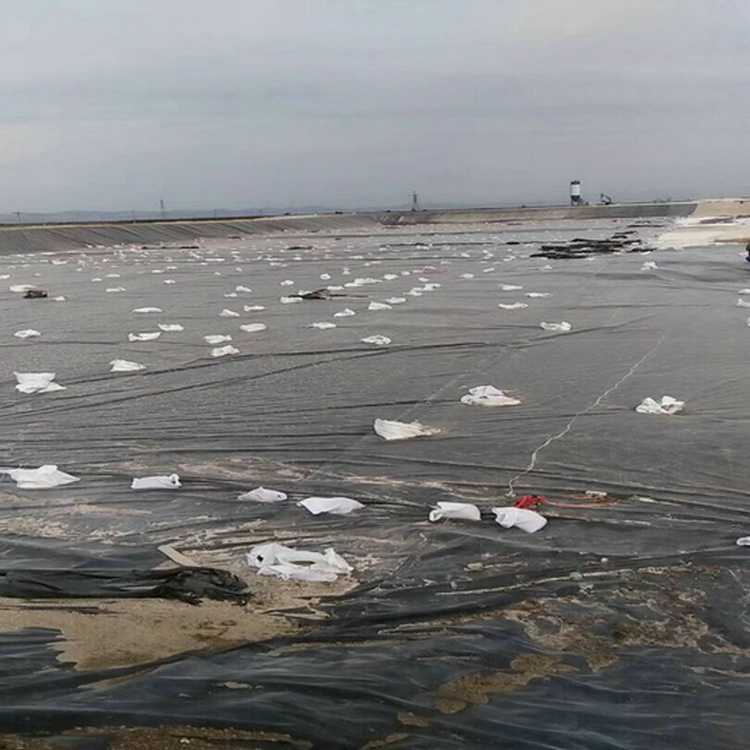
[(488, 395), (513, 306), (262, 495), (391, 430), (527, 520), (169, 327), (455, 512), (146, 310), (124, 365), (287, 563), (157, 482), (666, 405), (44, 478), (27, 333), (337, 506), (254, 327), (37, 382)]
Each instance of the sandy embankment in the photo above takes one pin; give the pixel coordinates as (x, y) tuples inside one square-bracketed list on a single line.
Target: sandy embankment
[(106, 633), (713, 222)]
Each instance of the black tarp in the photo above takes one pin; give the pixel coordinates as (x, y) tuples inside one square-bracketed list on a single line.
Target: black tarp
[(619, 625)]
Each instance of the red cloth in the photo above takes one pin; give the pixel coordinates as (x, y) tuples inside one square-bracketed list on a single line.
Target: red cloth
[(528, 501)]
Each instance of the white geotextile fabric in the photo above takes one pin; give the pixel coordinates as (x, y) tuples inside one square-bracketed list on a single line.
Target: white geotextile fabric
[(284, 562), (455, 512), (488, 395), (391, 430), (43, 478)]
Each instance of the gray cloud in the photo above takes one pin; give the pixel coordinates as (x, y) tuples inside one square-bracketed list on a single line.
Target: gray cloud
[(349, 103)]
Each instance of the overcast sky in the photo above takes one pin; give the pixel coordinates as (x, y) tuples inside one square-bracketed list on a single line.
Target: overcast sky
[(116, 104)]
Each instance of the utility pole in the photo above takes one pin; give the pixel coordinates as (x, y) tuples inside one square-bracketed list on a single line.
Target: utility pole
[(162, 209), (18, 216), (414, 201)]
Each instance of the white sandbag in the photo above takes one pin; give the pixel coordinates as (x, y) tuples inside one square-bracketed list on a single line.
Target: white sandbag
[(253, 308), (467, 276), (649, 265), (159, 482), (523, 518), (144, 336), (254, 327), (216, 338), (242, 289), (262, 495), (229, 313), (538, 295), (287, 563), (171, 327), (27, 333), (510, 287), (113, 289), (390, 430), (455, 512), (743, 541), (345, 313), (377, 340), (322, 325), (338, 506), (223, 351), (743, 303), (43, 478), (289, 300), (396, 300), (667, 405), (563, 327), (514, 306), (378, 306), (286, 282), (124, 365), (19, 288), (37, 382), (148, 310), (488, 395)]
